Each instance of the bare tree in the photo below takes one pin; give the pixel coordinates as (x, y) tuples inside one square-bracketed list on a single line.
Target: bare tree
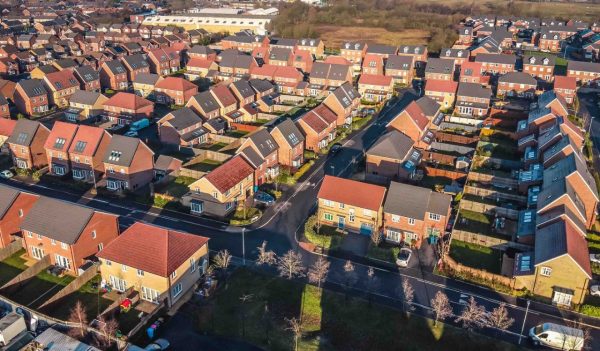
[(441, 307), (408, 296), (472, 316), (265, 256), (572, 342), (221, 261), (349, 272), (78, 316), (107, 329), (290, 265), (498, 318), (295, 327), (318, 272)]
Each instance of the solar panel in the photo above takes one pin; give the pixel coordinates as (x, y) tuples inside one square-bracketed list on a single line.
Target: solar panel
[(22, 137)]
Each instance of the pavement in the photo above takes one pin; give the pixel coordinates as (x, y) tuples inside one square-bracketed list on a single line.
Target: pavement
[(281, 225)]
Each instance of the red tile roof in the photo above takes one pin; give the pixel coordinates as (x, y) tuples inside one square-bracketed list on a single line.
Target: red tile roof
[(315, 122), (352, 192), (7, 126), (416, 114), (266, 71), (288, 72), (62, 80), (562, 82), (61, 130), (325, 113), (230, 173), (199, 62), (375, 79), (378, 59), (577, 248), (473, 68), (222, 93), (443, 86), (89, 135), (128, 101), (176, 83), (153, 249), (338, 60)]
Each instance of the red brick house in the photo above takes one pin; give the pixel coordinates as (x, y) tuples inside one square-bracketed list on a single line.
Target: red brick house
[(14, 206), (470, 72), (539, 66), (113, 75), (290, 141), (57, 147), (376, 88), (86, 153), (442, 91), (182, 127), (566, 87), (373, 64), (318, 127), (343, 101), (205, 105), (516, 84), (584, 72), (548, 41), (125, 108), (128, 164), (69, 244), (472, 100), (135, 64), (88, 77), (27, 144), (31, 97), (412, 214), (266, 148), (164, 61), (417, 119), (174, 90), (493, 64), (61, 86)]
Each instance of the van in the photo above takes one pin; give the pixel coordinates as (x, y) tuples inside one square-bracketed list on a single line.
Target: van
[(10, 326), (557, 336), (140, 124)]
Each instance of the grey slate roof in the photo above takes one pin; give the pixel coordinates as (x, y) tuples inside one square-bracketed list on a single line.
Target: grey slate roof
[(393, 144), (290, 132), (207, 101), (440, 66), (399, 62), (200, 50), (345, 94), (555, 240), (7, 197), (565, 167), (428, 105), (518, 78), (287, 42), (454, 53), (33, 87), (87, 73), (121, 150), (473, 90), (115, 66), (539, 60), (381, 49), (48, 69), (244, 88), (414, 202), (583, 66), (146, 78), (56, 219), (184, 118), (84, 97), (411, 49), (263, 141), (236, 61), (252, 157), (497, 58), (280, 54), (261, 85), (322, 70), (554, 190), (23, 132), (136, 61)]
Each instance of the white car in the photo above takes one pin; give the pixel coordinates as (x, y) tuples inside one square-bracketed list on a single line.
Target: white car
[(158, 345), (6, 174), (403, 257), (595, 258), (595, 290)]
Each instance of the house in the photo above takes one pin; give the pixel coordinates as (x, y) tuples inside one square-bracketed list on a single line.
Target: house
[(164, 61), (88, 77), (494, 64), (459, 56), (144, 83), (205, 105), (324, 75), (128, 163), (69, 244), (472, 100), (60, 86), (566, 87), (290, 142), (135, 64), (182, 127), (235, 66), (548, 41), (439, 69), (113, 75), (57, 147), (400, 68), (41, 71), (14, 206), (53, 340), (417, 119), (354, 52), (174, 90), (393, 156), (302, 60), (263, 155), (316, 47), (584, 72), (4, 108), (6, 129), (373, 64), (125, 108), (412, 214), (26, 144), (318, 126), (539, 67), (84, 105), (350, 205), (442, 91), (198, 67), (86, 153), (166, 168), (159, 263), (280, 57), (470, 72), (228, 104), (375, 88), (343, 101), (221, 191), (31, 98), (417, 52), (516, 84)]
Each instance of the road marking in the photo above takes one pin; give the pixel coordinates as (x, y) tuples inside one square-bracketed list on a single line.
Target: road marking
[(463, 299)]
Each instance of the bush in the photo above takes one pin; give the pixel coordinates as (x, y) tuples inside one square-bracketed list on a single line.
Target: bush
[(331, 241), (303, 169), (383, 252), (592, 311)]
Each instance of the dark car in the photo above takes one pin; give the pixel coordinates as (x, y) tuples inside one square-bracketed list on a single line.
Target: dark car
[(335, 148), (263, 198)]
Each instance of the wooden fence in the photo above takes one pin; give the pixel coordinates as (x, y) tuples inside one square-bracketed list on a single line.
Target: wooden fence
[(440, 172), (492, 178), (244, 127), (11, 249), (455, 138), (477, 191), (145, 319), (438, 157), (511, 283), (73, 286), (191, 173), (488, 209), (488, 241)]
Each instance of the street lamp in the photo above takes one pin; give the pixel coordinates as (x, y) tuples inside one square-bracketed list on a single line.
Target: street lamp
[(243, 246), (524, 320)]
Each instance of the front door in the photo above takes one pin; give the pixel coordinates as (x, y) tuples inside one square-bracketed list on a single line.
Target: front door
[(341, 222)]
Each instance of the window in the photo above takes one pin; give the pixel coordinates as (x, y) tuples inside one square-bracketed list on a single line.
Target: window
[(63, 245), (39, 236), (328, 216), (177, 290), (546, 271), (562, 298), (341, 205), (215, 195), (174, 274), (351, 214), (328, 203), (227, 206), (196, 207), (395, 218), (100, 246), (392, 235), (367, 212), (124, 268), (93, 234), (411, 221), (108, 263), (29, 234), (53, 242), (192, 264), (140, 273), (434, 217)]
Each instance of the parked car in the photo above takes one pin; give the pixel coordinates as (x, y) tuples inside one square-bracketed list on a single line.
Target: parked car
[(131, 133), (263, 198), (557, 336), (6, 174), (158, 345), (595, 258), (335, 148), (595, 290), (404, 257)]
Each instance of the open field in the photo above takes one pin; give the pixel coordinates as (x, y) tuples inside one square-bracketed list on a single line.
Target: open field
[(334, 36)]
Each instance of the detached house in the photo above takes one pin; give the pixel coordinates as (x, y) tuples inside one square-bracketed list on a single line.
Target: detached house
[(219, 192), (400, 68), (261, 151), (135, 64), (516, 84), (181, 127), (205, 105), (376, 88), (350, 205), (439, 69), (173, 90), (88, 77), (343, 101), (61, 85), (144, 83), (417, 120), (14, 207), (324, 75), (57, 147), (318, 127), (566, 87), (442, 91), (31, 98), (413, 214), (27, 144), (353, 52), (472, 100), (393, 156), (69, 244), (290, 142), (84, 105), (125, 108), (113, 75), (128, 163), (160, 264)]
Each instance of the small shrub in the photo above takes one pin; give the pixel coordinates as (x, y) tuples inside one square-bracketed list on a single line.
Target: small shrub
[(592, 311)]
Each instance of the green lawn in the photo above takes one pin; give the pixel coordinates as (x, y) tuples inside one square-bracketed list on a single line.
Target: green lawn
[(11, 267), (37, 290), (383, 252), (205, 165), (216, 146), (476, 256), (236, 133), (474, 222), (327, 237), (178, 187), (244, 217), (89, 297), (329, 320)]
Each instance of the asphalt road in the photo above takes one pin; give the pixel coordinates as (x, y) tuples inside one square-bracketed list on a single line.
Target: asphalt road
[(281, 224)]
